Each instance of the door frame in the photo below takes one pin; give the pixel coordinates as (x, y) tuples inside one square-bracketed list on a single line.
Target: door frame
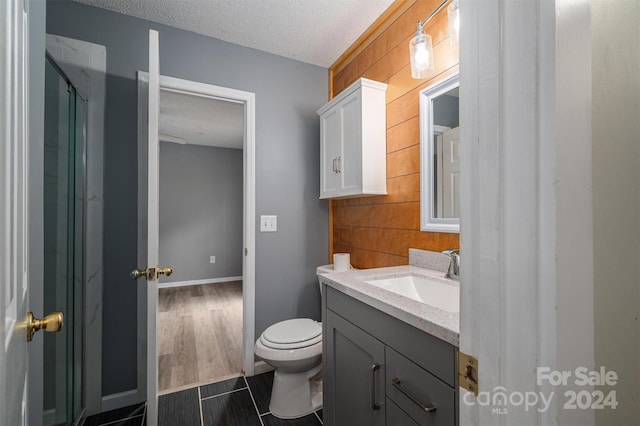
[(527, 235), (249, 210)]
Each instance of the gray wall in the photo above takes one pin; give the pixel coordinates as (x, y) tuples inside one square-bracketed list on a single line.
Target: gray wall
[(287, 166), (200, 211), (616, 202), (446, 111)]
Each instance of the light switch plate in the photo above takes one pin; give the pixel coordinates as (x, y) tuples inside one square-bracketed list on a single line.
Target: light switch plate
[(268, 223)]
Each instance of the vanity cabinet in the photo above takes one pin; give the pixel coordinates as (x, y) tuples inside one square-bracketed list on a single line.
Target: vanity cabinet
[(358, 377), (353, 142), (379, 370)]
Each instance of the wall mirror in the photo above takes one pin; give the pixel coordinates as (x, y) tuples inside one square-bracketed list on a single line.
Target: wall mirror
[(440, 157)]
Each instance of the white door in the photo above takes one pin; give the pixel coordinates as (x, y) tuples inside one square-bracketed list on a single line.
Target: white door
[(450, 173), (13, 211), (148, 209), (350, 161), (148, 223), (330, 151), (152, 225)]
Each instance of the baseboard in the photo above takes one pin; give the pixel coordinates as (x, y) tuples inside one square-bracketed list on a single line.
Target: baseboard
[(81, 418), (261, 367), (198, 282), (120, 399), (49, 417)]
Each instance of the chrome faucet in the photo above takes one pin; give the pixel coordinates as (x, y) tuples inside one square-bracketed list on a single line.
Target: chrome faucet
[(454, 263)]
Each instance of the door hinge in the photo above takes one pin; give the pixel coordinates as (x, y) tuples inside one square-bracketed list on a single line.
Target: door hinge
[(468, 372), (246, 251)]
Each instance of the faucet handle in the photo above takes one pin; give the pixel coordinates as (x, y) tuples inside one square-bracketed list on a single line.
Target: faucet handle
[(454, 262), (451, 251)]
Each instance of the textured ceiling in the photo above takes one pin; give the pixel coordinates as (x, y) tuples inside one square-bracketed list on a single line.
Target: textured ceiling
[(199, 120), (312, 31)]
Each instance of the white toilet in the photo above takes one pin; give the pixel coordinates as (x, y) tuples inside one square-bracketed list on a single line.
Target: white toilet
[(294, 349)]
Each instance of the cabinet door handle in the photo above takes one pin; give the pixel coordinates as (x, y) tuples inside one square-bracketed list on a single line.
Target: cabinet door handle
[(426, 407), (335, 170), (374, 404), (339, 164)]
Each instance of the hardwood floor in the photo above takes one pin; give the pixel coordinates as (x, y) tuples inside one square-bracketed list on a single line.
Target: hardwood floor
[(199, 334)]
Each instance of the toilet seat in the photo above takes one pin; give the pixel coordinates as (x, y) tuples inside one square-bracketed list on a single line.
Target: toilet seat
[(292, 334)]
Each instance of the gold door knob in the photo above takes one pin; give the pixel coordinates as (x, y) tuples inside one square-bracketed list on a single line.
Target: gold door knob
[(148, 273), (151, 273), (166, 271), (52, 322)]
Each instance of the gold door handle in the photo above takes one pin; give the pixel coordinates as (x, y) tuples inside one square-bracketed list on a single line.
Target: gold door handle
[(148, 273), (52, 322), (151, 273), (166, 271)]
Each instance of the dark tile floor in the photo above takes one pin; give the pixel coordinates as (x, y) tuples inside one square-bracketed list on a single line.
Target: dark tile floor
[(240, 401)]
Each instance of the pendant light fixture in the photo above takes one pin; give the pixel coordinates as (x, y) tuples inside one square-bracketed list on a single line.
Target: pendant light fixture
[(421, 46), (421, 51), (453, 14)]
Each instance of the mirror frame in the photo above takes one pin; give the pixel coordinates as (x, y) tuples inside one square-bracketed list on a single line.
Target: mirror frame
[(427, 220)]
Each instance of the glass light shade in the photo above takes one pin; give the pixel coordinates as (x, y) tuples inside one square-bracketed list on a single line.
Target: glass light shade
[(453, 13), (421, 53)]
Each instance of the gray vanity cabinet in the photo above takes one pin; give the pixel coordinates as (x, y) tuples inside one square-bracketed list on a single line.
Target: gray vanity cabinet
[(379, 370), (357, 375)]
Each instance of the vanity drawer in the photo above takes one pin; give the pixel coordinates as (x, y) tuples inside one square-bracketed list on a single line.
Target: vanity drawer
[(412, 389)]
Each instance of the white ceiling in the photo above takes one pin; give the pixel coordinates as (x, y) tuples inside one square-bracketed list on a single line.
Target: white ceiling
[(312, 31), (197, 120)]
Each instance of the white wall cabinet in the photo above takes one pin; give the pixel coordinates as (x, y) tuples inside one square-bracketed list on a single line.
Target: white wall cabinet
[(353, 138)]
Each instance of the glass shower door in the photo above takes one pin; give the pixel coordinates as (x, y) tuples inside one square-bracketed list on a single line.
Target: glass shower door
[(64, 201)]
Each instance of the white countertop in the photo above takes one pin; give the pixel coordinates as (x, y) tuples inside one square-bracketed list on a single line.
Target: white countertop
[(441, 324)]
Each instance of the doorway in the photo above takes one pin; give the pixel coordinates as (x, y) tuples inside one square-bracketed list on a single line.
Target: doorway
[(64, 245), (148, 230), (200, 236)]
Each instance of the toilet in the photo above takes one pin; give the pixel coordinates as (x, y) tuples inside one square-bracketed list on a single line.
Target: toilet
[(294, 349)]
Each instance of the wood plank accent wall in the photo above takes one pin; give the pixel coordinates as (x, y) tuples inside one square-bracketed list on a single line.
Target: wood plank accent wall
[(378, 231)]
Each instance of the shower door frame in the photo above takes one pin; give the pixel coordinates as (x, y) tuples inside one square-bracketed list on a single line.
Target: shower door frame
[(63, 278), (85, 64)]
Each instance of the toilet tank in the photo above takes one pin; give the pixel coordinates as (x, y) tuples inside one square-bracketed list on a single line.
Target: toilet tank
[(324, 269)]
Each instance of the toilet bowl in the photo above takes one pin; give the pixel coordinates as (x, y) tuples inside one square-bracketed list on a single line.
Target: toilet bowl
[(294, 349)]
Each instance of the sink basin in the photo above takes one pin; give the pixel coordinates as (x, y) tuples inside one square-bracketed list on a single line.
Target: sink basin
[(440, 293)]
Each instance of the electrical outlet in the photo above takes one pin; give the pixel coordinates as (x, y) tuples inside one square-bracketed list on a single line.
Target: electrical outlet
[(212, 259), (268, 223)]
